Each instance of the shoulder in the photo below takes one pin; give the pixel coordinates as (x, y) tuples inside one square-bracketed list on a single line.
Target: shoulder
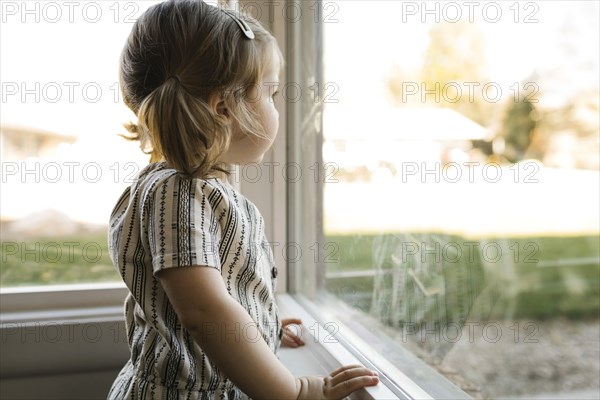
[(159, 180), (160, 191)]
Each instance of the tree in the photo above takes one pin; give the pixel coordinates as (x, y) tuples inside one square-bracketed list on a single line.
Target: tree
[(517, 129), (454, 59)]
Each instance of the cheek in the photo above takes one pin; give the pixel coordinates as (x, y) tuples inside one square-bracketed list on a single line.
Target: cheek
[(274, 117)]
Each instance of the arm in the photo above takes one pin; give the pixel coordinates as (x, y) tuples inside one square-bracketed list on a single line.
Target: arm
[(210, 314), (205, 309)]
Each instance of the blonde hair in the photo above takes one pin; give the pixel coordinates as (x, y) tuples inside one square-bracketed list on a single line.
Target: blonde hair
[(178, 54)]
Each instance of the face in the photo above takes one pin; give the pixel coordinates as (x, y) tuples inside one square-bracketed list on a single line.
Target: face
[(246, 148)]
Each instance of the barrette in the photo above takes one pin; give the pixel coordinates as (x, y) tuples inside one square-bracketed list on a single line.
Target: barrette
[(241, 23)]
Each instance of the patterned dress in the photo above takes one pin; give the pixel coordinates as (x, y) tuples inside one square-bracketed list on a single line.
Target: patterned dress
[(165, 220)]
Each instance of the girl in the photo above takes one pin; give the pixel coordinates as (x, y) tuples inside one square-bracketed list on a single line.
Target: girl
[(201, 317)]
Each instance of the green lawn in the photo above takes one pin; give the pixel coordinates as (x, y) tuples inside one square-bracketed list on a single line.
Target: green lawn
[(536, 277), (63, 260)]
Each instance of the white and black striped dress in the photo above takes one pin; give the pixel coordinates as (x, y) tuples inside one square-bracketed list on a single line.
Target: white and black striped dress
[(165, 220)]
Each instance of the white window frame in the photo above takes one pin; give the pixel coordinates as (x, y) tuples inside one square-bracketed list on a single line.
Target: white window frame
[(347, 347)]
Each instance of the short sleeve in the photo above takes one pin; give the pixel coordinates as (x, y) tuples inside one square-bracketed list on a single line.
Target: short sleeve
[(182, 229)]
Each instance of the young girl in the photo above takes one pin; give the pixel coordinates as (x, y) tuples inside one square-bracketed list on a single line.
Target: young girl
[(201, 317)]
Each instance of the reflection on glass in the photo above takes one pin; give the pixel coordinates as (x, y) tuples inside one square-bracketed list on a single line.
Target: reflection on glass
[(466, 192)]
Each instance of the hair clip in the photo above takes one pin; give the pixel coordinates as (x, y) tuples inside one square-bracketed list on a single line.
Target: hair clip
[(241, 23)]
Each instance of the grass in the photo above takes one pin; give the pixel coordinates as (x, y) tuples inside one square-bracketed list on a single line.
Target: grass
[(82, 259), (528, 281), (536, 277)]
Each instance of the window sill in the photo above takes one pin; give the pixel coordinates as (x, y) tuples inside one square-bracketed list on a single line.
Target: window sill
[(349, 343), (66, 339), (30, 300), (323, 353)]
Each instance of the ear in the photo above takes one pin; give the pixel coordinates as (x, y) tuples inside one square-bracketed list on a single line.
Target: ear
[(219, 106), (222, 109)]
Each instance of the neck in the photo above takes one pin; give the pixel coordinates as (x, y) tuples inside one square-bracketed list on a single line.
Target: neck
[(222, 175)]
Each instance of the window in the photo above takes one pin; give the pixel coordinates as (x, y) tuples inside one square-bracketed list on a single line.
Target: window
[(449, 208), (63, 163)]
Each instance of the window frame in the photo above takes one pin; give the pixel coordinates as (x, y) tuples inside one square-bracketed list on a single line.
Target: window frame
[(304, 283), (34, 299)]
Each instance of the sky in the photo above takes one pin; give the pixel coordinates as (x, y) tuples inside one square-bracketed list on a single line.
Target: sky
[(396, 33), (67, 54), (390, 32)]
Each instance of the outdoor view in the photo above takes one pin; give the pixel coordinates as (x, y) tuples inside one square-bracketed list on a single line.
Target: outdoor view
[(63, 163), (464, 203)]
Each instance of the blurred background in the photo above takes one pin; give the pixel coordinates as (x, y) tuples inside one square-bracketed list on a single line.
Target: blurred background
[(464, 187)]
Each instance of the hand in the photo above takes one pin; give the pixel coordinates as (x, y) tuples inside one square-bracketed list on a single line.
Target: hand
[(289, 338), (339, 384)]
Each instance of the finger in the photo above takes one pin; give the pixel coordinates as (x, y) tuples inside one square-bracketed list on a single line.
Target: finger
[(344, 368), (293, 336), (352, 373), (288, 343), (286, 340), (291, 340), (345, 388), (288, 321), (293, 329)]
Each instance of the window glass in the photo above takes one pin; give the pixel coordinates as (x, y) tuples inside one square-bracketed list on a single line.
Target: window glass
[(63, 164), (460, 188)]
